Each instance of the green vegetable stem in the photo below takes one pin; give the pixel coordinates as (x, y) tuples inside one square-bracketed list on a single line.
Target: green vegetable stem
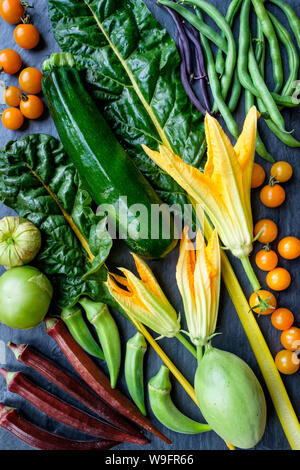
[(164, 409), (100, 317), (134, 371), (76, 325)]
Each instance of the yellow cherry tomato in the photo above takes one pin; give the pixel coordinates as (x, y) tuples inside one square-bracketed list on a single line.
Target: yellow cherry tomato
[(258, 176), (266, 259), (282, 171), (287, 362), (282, 319), (10, 61), (32, 107), (262, 302), (272, 195), (278, 279), (290, 339), (289, 248), (12, 118), (26, 36), (11, 11), (268, 229), (12, 96), (30, 80)]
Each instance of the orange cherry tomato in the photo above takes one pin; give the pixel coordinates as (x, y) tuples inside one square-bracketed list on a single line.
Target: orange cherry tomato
[(11, 11), (289, 248), (26, 36), (282, 319), (262, 302), (10, 61), (30, 80), (266, 259), (268, 229), (272, 195), (12, 96), (287, 362), (258, 176), (278, 279), (290, 339), (12, 118), (282, 171), (32, 107)]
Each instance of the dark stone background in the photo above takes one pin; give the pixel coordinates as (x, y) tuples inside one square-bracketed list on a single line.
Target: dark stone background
[(233, 337)]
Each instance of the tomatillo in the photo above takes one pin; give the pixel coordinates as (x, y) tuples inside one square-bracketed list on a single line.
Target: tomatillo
[(25, 295)]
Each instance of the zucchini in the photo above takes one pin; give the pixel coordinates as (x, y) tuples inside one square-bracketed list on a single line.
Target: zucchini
[(106, 170)]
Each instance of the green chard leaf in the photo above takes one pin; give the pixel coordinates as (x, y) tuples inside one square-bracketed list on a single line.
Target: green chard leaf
[(41, 184), (131, 64)]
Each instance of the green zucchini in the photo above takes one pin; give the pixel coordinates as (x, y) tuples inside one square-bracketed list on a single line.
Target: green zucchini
[(106, 170)]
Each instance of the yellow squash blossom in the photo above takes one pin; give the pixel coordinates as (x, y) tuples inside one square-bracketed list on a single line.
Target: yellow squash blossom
[(144, 300), (223, 189), (198, 275)]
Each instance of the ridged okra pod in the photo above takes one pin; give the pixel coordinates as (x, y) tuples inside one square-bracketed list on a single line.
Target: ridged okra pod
[(100, 317), (134, 369)]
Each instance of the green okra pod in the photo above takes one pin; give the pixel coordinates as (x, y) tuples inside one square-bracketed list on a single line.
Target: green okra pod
[(100, 317), (134, 370), (76, 325), (164, 409)]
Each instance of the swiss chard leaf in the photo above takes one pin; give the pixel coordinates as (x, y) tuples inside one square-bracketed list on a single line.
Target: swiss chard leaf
[(131, 64), (41, 184)]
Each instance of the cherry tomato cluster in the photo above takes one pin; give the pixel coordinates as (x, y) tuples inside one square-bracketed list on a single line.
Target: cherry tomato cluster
[(264, 302), (22, 102), (273, 194), (26, 35)]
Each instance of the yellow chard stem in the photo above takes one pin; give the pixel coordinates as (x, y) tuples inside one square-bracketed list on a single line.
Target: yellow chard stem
[(250, 273)]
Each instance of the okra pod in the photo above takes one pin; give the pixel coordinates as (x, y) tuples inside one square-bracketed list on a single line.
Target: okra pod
[(164, 409), (134, 370), (100, 317), (76, 325)]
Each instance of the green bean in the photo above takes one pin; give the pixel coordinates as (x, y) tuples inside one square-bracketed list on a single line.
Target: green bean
[(269, 32), (244, 45), (215, 85), (164, 409), (76, 325), (287, 139), (232, 11), (294, 21), (99, 316), (260, 146), (134, 370), (285, 37), (235, 93), (264, 92), (219, 19), (202, 27)]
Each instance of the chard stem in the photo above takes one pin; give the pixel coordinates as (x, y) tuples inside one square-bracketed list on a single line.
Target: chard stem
[(250, 273)]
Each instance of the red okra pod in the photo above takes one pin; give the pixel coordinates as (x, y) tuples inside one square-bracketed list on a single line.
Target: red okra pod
[(41, 439), (63, 412), (95, 378), (30, 357)]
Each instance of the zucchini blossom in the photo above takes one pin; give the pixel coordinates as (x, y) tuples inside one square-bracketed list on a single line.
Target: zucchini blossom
[(143, 299), (198, 275), (223, 189)]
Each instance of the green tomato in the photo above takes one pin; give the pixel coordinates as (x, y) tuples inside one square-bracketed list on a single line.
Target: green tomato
[(25, 295)]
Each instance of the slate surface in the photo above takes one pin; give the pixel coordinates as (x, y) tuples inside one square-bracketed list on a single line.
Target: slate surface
[(233, 337)]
